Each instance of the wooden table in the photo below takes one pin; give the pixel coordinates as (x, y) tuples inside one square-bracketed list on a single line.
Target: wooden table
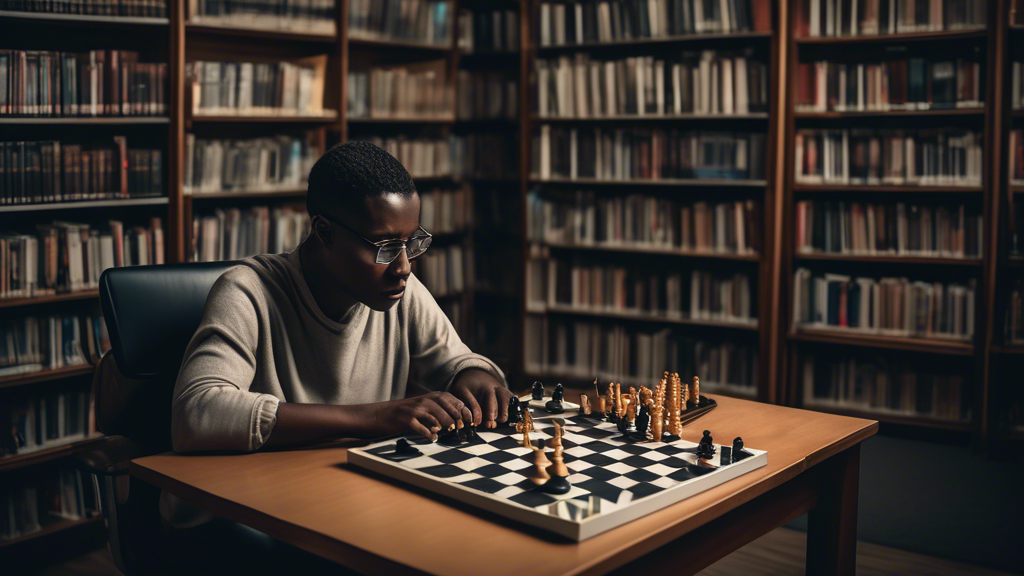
[(314, 500)]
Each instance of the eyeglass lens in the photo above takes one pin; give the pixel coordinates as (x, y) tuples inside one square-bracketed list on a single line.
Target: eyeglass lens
[(414, 247)]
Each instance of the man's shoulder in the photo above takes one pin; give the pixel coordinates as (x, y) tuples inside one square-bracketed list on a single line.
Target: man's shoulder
[(254, 274)]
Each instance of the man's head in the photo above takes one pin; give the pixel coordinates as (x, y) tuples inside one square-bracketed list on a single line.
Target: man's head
[(359, 195)]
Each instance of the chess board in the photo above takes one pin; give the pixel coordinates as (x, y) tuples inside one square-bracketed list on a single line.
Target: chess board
[(614, 480)]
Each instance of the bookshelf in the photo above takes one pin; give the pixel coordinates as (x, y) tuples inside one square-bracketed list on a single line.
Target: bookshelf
[(544, 318), (887, 365)]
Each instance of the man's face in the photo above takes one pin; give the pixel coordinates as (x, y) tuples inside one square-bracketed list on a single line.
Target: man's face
[(390, 217)]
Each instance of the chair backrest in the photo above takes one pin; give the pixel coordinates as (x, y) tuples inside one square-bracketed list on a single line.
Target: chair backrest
[(151, 314)]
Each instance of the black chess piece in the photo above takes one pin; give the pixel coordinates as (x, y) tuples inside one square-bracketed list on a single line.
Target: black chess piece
[(469, 433), (623, 426), (706, 447), (515, 411), (737, 449), (538, 391), (554, 406), (402, 447), (642, 422), (450, 438), (556, 485)]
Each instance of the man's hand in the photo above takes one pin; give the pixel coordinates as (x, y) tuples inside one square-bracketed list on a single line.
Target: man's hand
[(426, 415), (485, 397)]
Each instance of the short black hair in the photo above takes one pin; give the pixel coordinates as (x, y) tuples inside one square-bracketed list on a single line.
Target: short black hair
[(351, 172)]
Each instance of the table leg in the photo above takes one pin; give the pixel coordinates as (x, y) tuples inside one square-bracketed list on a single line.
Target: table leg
[(832, 525)]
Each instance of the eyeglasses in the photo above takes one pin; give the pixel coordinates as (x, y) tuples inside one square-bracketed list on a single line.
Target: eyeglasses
[(388, 250)]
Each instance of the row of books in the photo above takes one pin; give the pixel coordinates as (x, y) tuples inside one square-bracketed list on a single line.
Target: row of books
[(1016, 156), (484, 31), (900, 157), (645, 222), (888, 306), (646, 154), (258, 88), (874, 17), (48, 497), (483, 95), (234, 233), (95, 83), (410, 92), (883, 386), (612, 352), (422, 157), (278, 163), (894, 228), (35, 343), (308, 16), (706, 83), (1013, 329), (605, 21), (899, 84), (1017, 86), (486, 156), (557, 284), (424, 21), (444, 270), (68, 257), (446, 211), (132, 8), (36, 422), (49, 171)]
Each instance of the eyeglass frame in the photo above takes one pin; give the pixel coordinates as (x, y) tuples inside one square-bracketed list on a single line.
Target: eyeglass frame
[(379, 245)]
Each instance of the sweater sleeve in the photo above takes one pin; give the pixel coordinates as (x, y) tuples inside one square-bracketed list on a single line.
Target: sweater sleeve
[(213, 408), (437, 353)]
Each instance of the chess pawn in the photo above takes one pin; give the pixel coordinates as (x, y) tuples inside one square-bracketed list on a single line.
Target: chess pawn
[(556, 438), (630, 410), (584, 404), (602, 405), (657, 425), (539, 472), (559, 474), (696, 390)]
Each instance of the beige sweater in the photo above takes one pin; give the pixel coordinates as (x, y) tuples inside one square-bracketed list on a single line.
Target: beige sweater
[(263, 340)]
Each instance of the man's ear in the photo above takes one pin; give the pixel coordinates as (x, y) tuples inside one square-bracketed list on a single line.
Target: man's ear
[(322, 229)]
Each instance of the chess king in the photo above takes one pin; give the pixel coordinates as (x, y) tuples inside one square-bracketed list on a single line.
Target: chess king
[(320, 343)]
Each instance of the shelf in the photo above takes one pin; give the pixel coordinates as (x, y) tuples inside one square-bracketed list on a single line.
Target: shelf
[(1016, 433), (1009, 349), (685, 38), (889, 259), (49, 299), (297, 193), (890, 113), (642, 317), (885, 188), (85, 120), (260, 33), (903, 37), (949, 347), (323, 119), (888, 418), (83, 19), (45, 375), (655, 117), (1017, 188), (409, 120), (156, 201), (53, 527), (687, 182), (357, 41), (33, 458), (635, 249)]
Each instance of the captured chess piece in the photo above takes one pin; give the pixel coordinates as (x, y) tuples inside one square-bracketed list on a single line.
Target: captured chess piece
[(706, 447), (554, 406), (538, 391)]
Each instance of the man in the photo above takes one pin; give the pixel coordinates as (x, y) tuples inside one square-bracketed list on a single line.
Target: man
[(322, 343)]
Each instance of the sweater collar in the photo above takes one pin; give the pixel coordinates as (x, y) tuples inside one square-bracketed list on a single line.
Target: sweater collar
[(357, 311)]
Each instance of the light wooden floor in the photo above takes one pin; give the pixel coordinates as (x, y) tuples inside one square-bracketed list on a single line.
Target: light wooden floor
[(780, 552)]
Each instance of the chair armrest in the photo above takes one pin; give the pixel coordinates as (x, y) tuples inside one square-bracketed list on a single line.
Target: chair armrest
[(110, 456)]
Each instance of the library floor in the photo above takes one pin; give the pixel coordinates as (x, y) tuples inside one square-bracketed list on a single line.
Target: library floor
[(779, 552)]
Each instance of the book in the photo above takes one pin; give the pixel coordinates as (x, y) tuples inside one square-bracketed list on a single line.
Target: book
[(235, 233)]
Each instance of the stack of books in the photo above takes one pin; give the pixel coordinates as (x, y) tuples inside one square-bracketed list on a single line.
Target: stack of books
[(132, 8), (421, 21), (68, 257), (897, 157), (52, 171), (443, 270), (887, 306), (446, 211), (258, 88), (486, 95), (32, 343), (895, 228), (488, 31), (95, 83), (280, 163), (45, 420), (643, 221), (486, 156), (31, 504), (422, 157), (410, 92), (708, 82), (306, 16), (872, 17), (904, 84), (233, 233)]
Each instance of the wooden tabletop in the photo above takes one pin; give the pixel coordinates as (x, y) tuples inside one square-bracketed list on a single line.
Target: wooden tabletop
[(313, 499)]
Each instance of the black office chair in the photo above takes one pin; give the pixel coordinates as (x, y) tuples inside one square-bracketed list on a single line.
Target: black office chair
[(151, 314)]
